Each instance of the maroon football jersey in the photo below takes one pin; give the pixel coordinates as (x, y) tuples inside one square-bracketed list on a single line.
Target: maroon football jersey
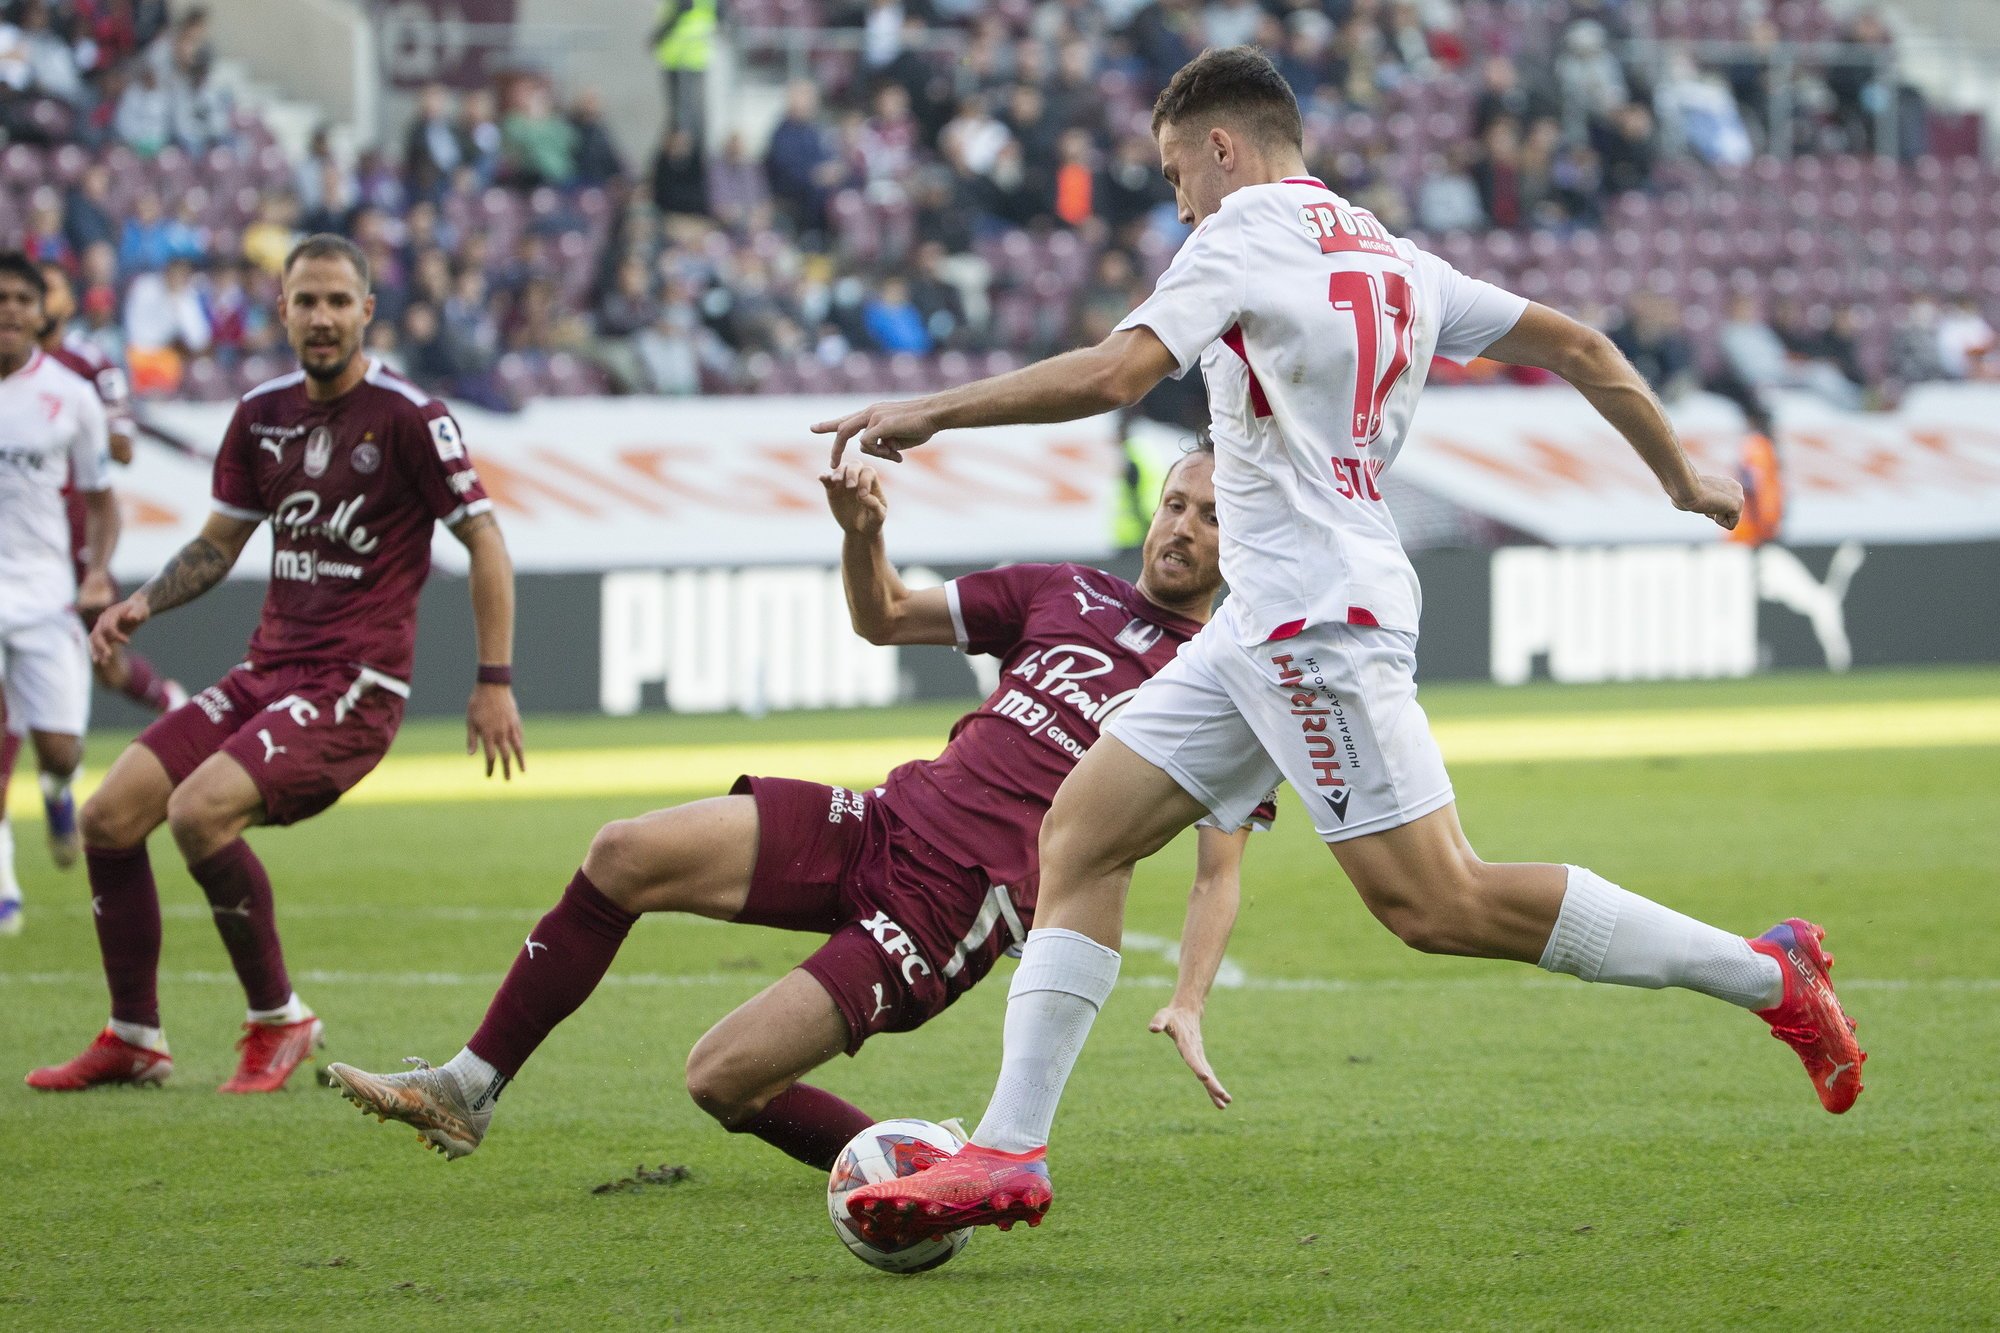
[(1075, 643), (84, 357), (352, 488)]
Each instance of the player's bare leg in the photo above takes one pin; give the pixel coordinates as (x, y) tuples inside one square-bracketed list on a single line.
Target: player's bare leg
[(208, 814), (1424, 882), (57, 757), (694, 858), (125, 908), (745, 1071), (1112, 812)]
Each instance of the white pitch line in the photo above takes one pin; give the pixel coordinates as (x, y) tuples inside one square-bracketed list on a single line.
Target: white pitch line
[(690, 980)]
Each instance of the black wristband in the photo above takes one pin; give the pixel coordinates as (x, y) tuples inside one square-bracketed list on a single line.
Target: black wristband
[(495, 675)]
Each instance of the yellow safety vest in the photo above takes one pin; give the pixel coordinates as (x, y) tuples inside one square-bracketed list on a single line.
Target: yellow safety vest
[(689, 39), (1137, 493)]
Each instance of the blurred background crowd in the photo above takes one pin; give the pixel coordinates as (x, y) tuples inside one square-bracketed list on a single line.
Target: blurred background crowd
[(1749, 197)]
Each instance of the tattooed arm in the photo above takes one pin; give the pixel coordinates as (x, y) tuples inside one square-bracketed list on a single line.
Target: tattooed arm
[(192, 571)]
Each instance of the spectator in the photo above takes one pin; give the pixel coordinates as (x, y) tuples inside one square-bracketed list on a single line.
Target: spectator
[(45, 241), (680, 182), (1448, 199), (1230, 22), (737, 194), (1697, 111), (1652, 338), (50, 63), (670, 352), (800, 163), (936, 296), (163, 311), (479, 137), (270, 237), (597, 160), (888, 143), (537, 146), (1130, 186), (1820, 337), (1588, 76), (432, 146), (1626, 150), (87, 211), (1107, 300), (147, 240), (144, 116), (974, 136), (199, 116), (1755, 357), (893, 321), (626, 310), (1965, 342), (1075, 176), (1497, 174), (234, 319)]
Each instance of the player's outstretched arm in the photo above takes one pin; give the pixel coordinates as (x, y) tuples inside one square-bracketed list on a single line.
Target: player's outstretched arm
[(1115, 373), (492, 717), (1211, 915), (882, 608), (192, 571), (1588, 360)]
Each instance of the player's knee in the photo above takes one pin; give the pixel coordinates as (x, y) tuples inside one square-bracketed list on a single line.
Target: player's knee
[(199, 822), (615, 864), (110, 824), (1442, 914), (713, 1087), (58, 754)]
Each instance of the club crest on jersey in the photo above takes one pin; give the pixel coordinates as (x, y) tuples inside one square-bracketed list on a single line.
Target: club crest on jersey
[(1138, 636), (319, 451), (366, 457)]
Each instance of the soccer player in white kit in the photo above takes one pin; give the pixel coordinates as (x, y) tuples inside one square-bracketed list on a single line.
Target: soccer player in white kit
[(52, 427), (1315, 329)]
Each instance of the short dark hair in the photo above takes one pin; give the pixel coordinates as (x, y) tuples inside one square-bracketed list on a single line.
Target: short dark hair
[(326, 245), (24, 268), (1238, 84)]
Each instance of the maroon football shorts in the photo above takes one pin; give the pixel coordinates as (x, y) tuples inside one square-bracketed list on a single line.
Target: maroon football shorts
[(304, 734), (910, 930)]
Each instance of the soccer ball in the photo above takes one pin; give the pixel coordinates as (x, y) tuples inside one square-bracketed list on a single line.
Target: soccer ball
[(884, 1152)]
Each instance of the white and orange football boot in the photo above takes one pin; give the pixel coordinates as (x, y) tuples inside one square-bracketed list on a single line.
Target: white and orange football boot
[(271, 1051), (974, 1187), (1809, 1018), (107, 1061)]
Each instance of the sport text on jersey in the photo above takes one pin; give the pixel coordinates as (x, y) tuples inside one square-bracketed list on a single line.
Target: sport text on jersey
[(1340, 227)]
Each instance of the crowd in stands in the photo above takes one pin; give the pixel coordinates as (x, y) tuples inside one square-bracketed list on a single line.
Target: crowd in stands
[(970, 185)]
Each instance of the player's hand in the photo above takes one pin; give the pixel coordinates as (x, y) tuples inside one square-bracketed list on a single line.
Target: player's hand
[(882, 430), (95, 593), (1721, 498), (493, 724), (115, 626), (854, 493), (1184, 1026)]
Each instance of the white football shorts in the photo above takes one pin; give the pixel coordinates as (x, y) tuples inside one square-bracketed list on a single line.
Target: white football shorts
[(45, 665), (1332, 710)]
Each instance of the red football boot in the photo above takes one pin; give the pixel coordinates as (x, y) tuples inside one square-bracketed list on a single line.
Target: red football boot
[(974, 1187), (271, 1051), (1809, 1017), (108, 1060)]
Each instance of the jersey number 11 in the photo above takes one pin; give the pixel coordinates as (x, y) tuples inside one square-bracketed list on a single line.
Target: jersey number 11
[(1355, 291)]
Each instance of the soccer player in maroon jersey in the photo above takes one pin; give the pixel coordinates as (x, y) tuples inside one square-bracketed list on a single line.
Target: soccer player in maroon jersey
[(920, 884), (353, 466)]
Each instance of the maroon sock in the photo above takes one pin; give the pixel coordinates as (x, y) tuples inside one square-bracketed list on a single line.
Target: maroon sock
[(239, 894), (809, 1123), (125, 906), (143, 684), (565, 956)]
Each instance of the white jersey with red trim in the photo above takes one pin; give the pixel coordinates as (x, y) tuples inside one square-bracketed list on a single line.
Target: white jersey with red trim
[(1315, 329), (51, 427)]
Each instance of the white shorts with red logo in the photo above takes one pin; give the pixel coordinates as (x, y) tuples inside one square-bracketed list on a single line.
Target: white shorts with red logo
[(1332, 710)]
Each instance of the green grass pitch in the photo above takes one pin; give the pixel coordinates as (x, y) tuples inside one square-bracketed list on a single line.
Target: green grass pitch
[(1417, 1142)]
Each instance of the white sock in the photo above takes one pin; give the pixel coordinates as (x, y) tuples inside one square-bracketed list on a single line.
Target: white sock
[(10, 887), (1063, 980), (1604, 933), (153, 1039), (477, 1079), (292, 1011), (55, 785)]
